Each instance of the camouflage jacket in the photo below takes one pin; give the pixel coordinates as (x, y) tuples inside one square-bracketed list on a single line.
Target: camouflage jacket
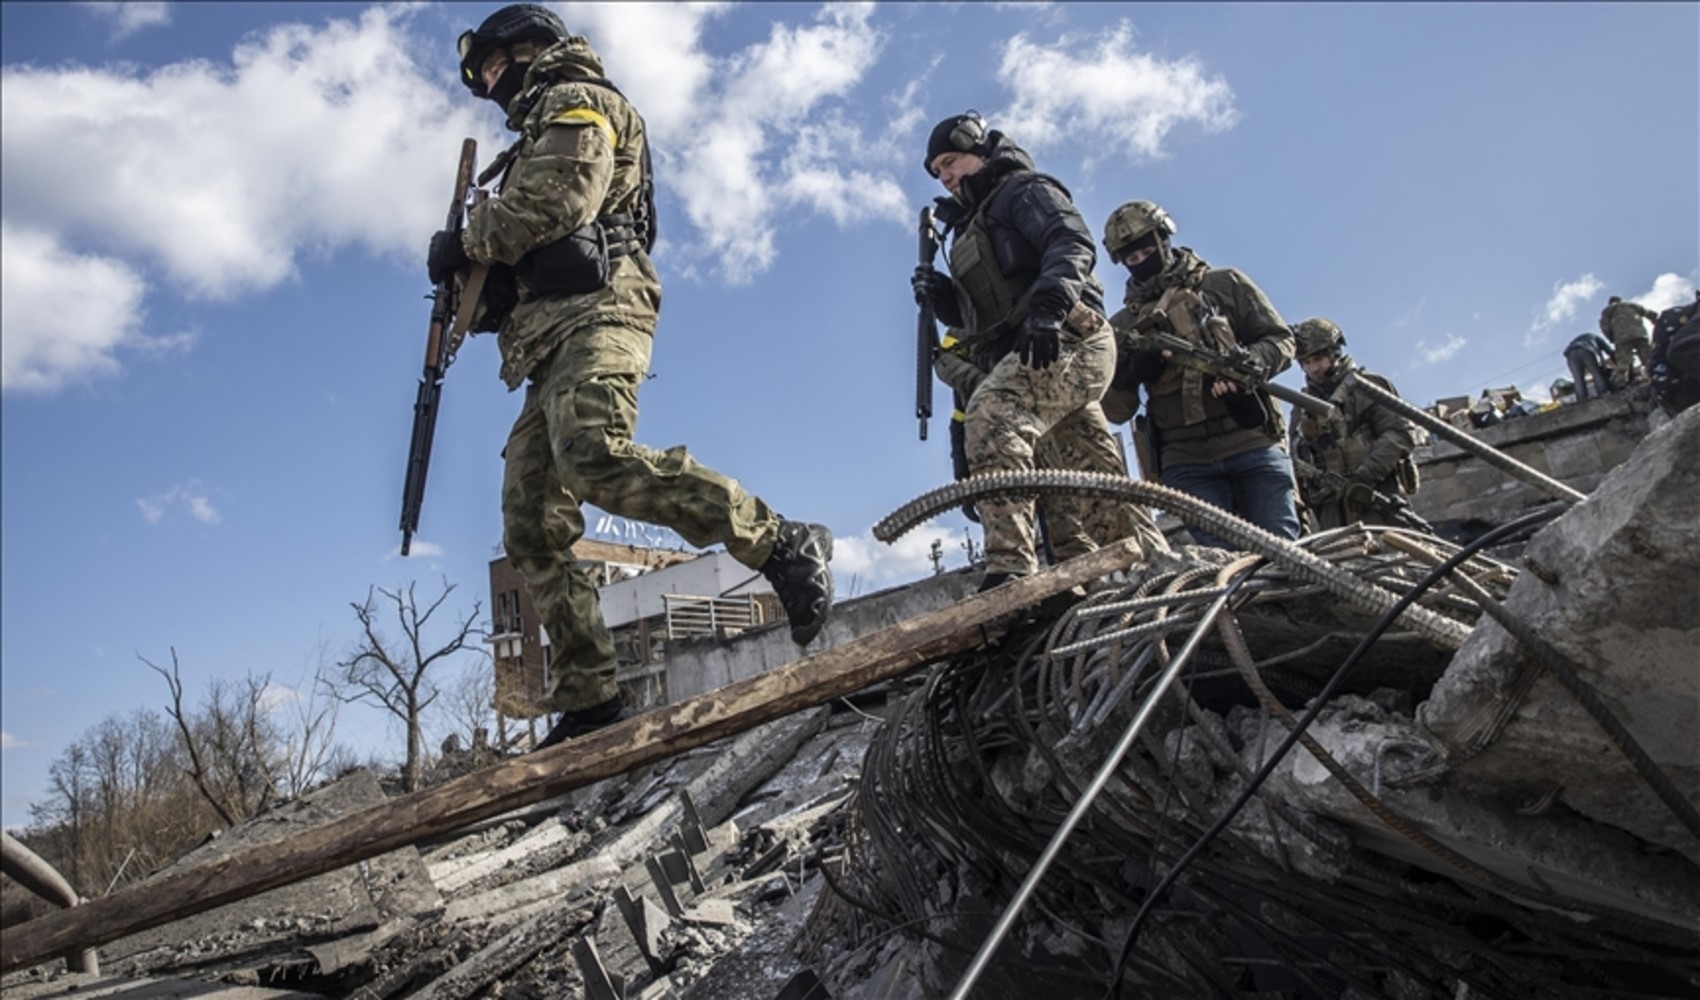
[(579, 158), (1621, 321)]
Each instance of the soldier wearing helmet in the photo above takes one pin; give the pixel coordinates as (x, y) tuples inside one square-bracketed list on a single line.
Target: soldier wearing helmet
[(1209, 437), (1028, 313), (1626, 324), (577, 336), (1363, 450)]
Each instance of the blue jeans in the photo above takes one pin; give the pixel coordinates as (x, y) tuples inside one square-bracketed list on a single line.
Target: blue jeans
[(1256, 485)]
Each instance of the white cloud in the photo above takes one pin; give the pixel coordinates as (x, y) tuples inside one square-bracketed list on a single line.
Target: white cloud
[(1567, 298), (190, 496), (774, 140), (130, 17), (910, 557), (1127, 101), (1669, 289), (1441, 352), (230, 171), (64, 313), (10, 742)]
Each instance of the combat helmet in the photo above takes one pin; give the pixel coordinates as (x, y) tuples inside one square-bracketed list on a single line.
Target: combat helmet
[(1318, 336), (1133, 222), (515, 23)]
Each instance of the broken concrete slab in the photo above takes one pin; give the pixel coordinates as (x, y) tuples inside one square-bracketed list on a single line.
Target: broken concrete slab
[(271, 927), (1615, 586)]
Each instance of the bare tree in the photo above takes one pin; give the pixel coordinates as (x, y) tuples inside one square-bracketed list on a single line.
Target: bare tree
[(468, 705), (310, 753), (232, 744), (394, 676)]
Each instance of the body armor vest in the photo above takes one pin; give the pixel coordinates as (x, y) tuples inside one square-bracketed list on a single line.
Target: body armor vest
[(994, 304), (1194, 320)]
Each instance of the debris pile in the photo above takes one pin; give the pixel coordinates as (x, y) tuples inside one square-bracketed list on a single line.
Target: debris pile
[(1373, 764)]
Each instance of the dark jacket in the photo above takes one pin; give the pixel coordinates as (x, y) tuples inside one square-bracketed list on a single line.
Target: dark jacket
[(1038, 238), (1591, 343), (1256, 326)]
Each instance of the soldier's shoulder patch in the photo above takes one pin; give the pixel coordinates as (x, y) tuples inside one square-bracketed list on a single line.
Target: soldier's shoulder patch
[(583, 116)]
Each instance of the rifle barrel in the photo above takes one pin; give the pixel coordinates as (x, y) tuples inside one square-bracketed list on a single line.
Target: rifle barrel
[(926, 331), (437, 359)]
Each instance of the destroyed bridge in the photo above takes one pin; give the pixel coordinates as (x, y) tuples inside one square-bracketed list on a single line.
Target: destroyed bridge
[(1372, 763)]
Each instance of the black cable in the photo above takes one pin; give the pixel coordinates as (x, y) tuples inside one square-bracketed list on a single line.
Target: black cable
[(1382, 625)]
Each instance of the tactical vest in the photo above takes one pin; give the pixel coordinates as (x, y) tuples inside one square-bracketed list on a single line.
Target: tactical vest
[(994, 304), (1194, 320)]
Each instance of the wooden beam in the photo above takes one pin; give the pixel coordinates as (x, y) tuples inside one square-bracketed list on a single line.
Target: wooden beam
[(658, 734)]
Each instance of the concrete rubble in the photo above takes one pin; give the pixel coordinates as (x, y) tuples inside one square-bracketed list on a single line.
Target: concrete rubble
[(865, 849)]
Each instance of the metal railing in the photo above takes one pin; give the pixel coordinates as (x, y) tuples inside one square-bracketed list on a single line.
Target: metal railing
[(698, 616)]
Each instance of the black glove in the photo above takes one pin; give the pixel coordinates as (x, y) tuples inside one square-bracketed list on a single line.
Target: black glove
[(446, 256), (929, 285), (1038, 348)]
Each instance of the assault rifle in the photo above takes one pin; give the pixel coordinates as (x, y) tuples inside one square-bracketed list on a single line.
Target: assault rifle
[(926, 333), (1335, 484), (1156, 333), (451, 312)]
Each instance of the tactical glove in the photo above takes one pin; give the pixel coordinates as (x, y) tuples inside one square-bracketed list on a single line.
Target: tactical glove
[(929, 285), (1039, 349), (446, 256)]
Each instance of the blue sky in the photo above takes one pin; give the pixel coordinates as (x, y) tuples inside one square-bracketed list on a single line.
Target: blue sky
[(214, 218)]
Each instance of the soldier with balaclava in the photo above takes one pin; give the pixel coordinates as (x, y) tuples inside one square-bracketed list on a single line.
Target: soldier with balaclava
[(569, 236), (1212, 438)]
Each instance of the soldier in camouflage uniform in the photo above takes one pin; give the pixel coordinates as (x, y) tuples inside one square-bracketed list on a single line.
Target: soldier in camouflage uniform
[(1021, 292), (570, 231), (1210, 437), (1365, 448), (1622, 322)]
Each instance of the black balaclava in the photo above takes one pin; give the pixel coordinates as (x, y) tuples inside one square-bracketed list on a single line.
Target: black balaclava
[(508, 84), (1154, 264)]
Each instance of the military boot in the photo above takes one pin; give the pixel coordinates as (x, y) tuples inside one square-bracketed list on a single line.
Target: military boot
[(571, 725), (798, 571)]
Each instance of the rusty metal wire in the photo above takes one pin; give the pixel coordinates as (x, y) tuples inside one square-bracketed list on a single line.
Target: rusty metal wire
[(974, 772)]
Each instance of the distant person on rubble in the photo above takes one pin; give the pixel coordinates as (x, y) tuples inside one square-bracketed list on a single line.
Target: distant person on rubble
[(1591, 360), (1624, 323), (577, 337), (1211, 438), (1676, 357), (1359, 461), (1022, 300)]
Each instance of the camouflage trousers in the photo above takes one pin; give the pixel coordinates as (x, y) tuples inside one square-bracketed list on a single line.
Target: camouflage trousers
[(1629, 350), (572, 444), (1021, 418)]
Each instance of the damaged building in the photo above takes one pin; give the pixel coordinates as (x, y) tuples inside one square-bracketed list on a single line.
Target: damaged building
[(1372, 763)]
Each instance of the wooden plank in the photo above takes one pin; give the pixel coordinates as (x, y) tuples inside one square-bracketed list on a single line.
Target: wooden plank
[(653, 736)]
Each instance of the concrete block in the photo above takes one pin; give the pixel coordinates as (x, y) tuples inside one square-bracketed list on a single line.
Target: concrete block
[(1618, 592), (1574, 457)]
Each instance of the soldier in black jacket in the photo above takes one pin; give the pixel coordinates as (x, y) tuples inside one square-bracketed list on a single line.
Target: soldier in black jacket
[(1031, 315)]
